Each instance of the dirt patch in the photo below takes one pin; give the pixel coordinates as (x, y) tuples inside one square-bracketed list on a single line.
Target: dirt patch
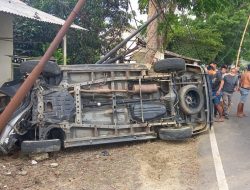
[(154, 165)]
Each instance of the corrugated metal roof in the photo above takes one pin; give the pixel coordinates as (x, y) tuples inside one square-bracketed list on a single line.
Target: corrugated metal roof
[(19, 8)]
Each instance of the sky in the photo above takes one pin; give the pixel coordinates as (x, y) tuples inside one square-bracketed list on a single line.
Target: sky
[(143, 17)]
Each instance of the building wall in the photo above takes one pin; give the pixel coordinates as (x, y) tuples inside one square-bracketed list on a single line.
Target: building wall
[(6, 47)]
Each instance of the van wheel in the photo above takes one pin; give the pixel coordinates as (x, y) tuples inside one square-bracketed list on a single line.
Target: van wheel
[(191, 99), (170, 65), (50, 69)]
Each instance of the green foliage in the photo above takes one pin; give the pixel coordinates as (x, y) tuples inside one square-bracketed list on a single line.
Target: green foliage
[(213, 33), (105, 21), (58, 54), (231, 23), (195, 41), (198, 7)]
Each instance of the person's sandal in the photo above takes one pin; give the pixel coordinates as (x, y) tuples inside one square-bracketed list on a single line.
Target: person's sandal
[(240, 115), (219, 120)]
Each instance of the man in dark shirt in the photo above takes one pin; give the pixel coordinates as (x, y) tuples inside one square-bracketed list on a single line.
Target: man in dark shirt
[(230, 85), (216, 84), (223, 70)]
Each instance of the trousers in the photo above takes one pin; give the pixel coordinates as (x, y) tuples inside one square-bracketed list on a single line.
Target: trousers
[(227, 102)]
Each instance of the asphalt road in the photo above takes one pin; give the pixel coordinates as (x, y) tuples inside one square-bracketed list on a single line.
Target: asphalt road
[(233, 142)]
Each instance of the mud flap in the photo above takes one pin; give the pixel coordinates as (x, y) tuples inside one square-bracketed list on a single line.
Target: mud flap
[(41, 146)]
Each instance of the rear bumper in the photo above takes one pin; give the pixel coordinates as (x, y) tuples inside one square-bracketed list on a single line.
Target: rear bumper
[(3, 149), (41, 146)]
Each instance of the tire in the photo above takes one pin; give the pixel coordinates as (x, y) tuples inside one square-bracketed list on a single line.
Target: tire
[(191, 99), (175, 134), (170, 65), (50, 69)]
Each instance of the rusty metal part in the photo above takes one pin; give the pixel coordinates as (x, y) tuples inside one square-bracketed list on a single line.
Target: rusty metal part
[(99, 91), (145, 88), (29, 82), (103, 91)]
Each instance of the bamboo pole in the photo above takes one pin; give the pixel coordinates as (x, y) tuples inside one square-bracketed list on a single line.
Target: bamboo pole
[(241, 42), (65, 50)]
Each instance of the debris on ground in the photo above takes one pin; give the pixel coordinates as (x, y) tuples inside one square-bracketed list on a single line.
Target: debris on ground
[(33, 162), (39, 156), (54, 165), (22, 172), (156, 165), (105, 153), (8, 173)]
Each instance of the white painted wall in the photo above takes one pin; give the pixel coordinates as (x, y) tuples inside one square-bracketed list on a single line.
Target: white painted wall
[(6, 47)]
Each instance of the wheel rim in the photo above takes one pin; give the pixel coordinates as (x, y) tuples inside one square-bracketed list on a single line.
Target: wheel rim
[(192, 99)]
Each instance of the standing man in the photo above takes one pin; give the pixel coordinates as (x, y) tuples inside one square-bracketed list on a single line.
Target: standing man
[(230, 85), (214, 65), (219, 74), (223, 70), (244, 91), (216, 85)]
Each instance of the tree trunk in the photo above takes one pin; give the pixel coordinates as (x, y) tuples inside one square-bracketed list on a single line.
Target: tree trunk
[(154, 39)]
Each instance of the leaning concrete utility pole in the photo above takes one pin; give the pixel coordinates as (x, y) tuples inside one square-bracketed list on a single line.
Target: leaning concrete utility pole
[(241, 43), (29, 82)]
